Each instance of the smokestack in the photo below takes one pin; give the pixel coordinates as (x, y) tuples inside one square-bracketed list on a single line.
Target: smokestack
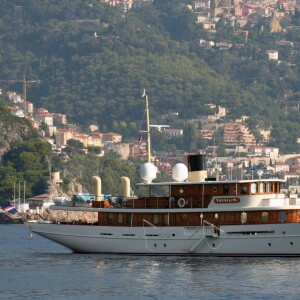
[(126, 187), (97, 182), (197, 167)]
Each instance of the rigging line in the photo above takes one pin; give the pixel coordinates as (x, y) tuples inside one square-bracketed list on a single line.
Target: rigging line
[(142, 121)]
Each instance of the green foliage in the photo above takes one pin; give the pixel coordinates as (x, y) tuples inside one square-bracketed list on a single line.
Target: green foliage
[(26, 163), (109, 168), (75, 144)]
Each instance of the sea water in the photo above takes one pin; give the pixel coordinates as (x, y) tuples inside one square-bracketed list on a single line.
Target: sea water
[(32, 267)]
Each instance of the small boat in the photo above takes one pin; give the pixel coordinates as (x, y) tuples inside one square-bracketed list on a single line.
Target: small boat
[(9, 215), (193, 215)]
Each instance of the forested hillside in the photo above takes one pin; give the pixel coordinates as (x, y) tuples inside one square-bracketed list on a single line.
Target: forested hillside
[(93, 62), (24, 157)]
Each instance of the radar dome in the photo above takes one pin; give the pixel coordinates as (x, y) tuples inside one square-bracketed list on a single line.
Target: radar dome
[(148, 172), (180, 172)]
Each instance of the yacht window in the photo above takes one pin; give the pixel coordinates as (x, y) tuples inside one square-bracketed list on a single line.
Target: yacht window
[(270, 187), (265, 217), (110, 218), (243, 217), (226, 188), (262, 187), (253, 188), (128, 218), (244, 189), (155, 219), (120, 218), (282, 216), (166, 219)]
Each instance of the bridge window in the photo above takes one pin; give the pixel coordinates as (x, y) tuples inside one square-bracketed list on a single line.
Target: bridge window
[(244, 189), (269, 187), (262, 187), (254, 188)]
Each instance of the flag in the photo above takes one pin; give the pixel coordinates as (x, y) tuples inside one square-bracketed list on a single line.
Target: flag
[(11, 209), (144, 94), (140, 137)]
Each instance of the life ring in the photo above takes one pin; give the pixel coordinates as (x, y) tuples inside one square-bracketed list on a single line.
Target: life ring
[(181, 202)]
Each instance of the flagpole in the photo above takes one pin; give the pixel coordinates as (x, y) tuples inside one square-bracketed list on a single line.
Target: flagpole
[(14, 194), (19, 196), (24, 195)]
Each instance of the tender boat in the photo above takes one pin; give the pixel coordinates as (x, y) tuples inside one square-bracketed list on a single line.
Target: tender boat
[(192, 215)]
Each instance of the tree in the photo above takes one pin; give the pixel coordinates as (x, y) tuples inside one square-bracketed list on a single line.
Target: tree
[(75, 144)]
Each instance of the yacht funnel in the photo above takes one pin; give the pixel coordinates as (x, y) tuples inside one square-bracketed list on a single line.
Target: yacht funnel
[(97, 187), (197, 167)]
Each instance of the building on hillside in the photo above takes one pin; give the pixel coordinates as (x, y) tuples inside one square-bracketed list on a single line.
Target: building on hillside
[(14, 97), (206, 134), (16, 111), (173, 132), (295, 160), (235, 134), (123, 149), (83, 138), (294, 189), (111, 137), (272, 54), (51, 142), (295, 169), (42, 110), (95, 140), (45, 118), (265, 136), (59, 119), (264, 151), (62, 136), (34, 123), (138, 150), (281, 167), (29, 108)]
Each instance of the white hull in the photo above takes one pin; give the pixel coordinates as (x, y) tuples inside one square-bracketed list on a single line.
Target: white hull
[(239, 240)]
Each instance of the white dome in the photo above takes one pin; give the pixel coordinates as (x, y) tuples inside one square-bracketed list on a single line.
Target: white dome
[(180, 172), (148, 172)]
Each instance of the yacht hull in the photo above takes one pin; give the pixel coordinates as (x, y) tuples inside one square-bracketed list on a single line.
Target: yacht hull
[(234, 240)]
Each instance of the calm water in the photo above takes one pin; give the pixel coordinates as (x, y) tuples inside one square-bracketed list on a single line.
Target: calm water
[(35, 268)]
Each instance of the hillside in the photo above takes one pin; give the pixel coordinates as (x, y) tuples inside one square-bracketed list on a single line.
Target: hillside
[(13, 130), (93, 62)]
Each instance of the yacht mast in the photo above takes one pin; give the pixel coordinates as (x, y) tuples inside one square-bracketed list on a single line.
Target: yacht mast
[(148, 128)]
